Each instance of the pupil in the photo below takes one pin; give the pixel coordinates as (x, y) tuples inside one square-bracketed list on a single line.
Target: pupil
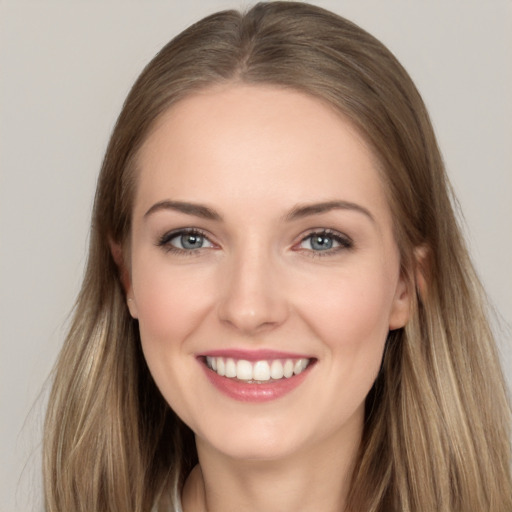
[(191, 241), (321, 243)]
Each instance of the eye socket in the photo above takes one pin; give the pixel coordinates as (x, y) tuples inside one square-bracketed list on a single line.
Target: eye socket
[(185, 240), (326, 241)]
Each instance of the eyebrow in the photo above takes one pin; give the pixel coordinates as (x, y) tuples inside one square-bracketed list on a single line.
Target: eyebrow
[(300, 211), (197, 210)]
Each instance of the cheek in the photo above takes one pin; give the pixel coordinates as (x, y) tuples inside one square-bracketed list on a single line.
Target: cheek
[(351, 317), (352, 307), (171, 305), (170, 301)]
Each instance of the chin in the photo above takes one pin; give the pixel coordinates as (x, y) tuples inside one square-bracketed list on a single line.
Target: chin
[(255, 442)]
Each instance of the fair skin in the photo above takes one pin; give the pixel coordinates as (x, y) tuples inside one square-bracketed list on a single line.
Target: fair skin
[(292, 256)]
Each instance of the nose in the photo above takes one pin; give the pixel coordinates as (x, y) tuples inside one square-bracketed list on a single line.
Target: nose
[(253, 299)]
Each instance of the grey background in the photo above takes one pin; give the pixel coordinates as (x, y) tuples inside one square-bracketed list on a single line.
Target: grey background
[(65, 68)]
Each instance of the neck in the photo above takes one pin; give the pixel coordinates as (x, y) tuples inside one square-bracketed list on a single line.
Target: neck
[(313, 480)]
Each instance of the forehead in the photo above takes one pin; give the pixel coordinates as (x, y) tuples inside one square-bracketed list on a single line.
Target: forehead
[(256, 143)]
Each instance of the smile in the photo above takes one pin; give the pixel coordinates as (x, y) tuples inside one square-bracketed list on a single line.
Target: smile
[(256, 376), (257, 371)]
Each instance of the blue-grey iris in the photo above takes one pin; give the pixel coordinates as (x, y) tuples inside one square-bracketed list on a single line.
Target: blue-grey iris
[(191, 241), (321, 242)]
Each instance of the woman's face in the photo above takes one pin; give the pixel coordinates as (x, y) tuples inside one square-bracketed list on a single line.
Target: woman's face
[(263, 270)]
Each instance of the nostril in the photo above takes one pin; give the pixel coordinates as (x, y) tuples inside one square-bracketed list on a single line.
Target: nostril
[(251, 316)]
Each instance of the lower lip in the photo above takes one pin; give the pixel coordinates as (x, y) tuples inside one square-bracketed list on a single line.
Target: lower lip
[(252, 392)]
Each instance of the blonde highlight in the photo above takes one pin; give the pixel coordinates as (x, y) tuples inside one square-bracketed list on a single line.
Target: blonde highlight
[(433, 440)]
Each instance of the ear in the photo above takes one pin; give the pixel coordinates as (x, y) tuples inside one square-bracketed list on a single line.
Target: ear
[(422, 260), (401, 309), (124, 274)]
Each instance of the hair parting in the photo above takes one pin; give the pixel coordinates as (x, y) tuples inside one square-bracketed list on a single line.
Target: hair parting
[(438, 420)]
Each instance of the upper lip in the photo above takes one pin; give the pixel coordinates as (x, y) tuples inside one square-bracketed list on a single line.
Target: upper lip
[(254, 355)]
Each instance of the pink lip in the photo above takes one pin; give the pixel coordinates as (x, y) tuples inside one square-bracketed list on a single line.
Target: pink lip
[(252, 392), (254, 355)]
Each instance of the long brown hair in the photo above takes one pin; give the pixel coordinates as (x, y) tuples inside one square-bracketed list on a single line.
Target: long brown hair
[(437, 430)]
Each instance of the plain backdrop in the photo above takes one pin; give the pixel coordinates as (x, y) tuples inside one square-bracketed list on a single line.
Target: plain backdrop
[(65, 68)]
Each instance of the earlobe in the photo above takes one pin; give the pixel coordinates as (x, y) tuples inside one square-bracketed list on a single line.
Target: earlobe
[(132, 307), (124, 275)]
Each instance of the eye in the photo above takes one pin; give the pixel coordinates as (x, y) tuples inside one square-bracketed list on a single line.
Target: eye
[(325, 241), (185, 240)]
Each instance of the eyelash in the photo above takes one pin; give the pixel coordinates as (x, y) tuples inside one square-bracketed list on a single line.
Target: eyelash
[(165, 239), (345, 243)]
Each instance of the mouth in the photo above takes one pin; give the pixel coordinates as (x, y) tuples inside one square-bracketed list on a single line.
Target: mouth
[(263, 371), (255, 376)]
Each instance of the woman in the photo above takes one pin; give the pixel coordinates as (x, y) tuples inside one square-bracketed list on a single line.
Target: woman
[(278, 310)]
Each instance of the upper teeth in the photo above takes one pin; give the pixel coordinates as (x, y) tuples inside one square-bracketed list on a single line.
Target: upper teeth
[(256, 370)]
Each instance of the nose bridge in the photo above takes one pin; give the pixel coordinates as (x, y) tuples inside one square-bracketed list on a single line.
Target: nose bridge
[(252, 298)]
